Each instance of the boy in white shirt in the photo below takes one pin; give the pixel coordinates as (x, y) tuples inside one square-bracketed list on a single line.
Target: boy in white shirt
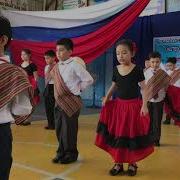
[(16, 101), (49, 57), (156, 83), (70, 79), (172, 103)]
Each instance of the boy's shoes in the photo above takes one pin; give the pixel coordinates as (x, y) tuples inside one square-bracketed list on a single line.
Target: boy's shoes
[(49, 128), (56, 160), (68, 160), (167, 121), (65, 159)]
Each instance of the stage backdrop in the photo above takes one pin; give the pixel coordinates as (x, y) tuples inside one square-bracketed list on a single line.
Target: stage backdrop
[(93, 31), (142, 32)]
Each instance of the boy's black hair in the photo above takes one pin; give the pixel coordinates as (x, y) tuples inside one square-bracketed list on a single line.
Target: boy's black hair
[(50, 53), (172, 60), (5, 29), (155, 54), (66, 42)]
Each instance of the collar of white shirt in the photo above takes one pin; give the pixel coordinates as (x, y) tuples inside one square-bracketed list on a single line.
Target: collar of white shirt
[(66, 62), (152, 69)]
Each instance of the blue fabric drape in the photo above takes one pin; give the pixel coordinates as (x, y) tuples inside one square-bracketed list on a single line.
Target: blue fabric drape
[(146, 28)]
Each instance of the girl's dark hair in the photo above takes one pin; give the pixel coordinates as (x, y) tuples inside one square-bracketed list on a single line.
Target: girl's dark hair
[(27, 51), (128, 43), (66, 42), (50, 53), (172, 60), (5, 29)]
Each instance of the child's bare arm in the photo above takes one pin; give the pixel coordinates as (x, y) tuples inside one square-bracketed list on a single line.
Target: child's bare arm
[(109, 93), (144, 109)]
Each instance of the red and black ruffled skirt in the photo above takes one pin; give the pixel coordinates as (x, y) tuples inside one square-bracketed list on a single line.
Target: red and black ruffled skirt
[(172, 104), (36, 98), (123, 133)]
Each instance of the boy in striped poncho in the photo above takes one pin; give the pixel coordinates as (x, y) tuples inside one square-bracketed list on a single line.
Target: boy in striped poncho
[(15, 99), (157, 82), (70, 79), (172, 103)]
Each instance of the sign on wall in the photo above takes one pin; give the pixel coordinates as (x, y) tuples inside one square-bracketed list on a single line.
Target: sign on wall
[(70, 4), (168, 47)]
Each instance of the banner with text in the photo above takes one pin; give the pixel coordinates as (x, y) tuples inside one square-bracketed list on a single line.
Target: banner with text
[(168, 47)]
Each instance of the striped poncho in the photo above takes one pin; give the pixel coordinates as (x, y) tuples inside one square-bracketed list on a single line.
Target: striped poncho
[(64, 98), (158, 81), (13, 81)]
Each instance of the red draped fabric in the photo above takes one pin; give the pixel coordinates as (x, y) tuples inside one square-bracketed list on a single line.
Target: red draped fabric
[(89, 46)]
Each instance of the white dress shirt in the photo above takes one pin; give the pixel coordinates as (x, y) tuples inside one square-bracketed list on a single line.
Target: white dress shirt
[(20, 105), (74, 75), (161, 94), (45, 71), (177, 83)]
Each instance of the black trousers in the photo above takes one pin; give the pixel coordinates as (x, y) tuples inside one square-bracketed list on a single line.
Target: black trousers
[(5, 151), (156, 114), (50, 104), (66, 132)]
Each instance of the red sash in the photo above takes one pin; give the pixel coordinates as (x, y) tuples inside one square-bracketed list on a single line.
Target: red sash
[(64, 98)]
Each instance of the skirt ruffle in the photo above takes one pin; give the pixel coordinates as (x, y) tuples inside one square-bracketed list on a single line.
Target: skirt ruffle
[(172, 103)]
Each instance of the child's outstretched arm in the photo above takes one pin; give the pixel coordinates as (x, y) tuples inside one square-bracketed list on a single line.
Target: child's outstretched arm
[(144, 109), (109, 93)]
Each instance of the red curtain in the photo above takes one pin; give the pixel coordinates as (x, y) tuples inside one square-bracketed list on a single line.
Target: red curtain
[(89, 46)]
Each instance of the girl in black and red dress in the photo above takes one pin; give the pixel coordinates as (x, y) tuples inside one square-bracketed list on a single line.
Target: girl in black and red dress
[(31, 70), (123, 129)]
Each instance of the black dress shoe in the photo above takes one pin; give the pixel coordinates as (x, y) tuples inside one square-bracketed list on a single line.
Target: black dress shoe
[(157, 144), (115, 171), (49, 128), (68, 160), (132, 170), (167, 121), (57, 159)]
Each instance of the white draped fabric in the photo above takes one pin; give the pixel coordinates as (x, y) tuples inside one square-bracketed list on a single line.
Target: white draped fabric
[(66, 18)]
